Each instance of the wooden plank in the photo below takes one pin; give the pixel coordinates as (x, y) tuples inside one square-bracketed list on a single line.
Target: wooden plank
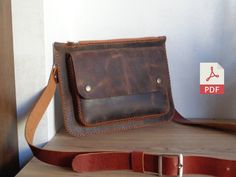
[(8, 129), (163, 138)]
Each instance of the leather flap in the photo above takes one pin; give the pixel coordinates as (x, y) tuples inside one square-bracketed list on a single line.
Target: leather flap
[(133, 69)]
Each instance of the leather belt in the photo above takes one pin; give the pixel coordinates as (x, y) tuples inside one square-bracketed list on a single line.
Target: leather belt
[(162, 164)]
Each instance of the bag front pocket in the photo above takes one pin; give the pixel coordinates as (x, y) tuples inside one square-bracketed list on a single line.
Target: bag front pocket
[(118, 83)]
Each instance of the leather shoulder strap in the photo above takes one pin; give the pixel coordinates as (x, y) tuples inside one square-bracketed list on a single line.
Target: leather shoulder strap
[(219, 124), (136, 161), (49, 156)]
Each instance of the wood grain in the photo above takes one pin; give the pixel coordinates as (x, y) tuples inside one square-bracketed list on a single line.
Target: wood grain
[(161, 138), (8, 127)]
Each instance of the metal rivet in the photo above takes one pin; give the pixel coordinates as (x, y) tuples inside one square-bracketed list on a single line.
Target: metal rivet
[(158, 80), (88, 88)]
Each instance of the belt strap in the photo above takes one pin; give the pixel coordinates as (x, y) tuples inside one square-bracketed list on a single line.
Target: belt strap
[(167, 164)]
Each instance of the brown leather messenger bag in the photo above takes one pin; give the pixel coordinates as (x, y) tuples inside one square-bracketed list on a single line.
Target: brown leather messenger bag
[(117, 85)]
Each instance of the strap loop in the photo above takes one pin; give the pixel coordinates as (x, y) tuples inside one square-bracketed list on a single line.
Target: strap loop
[(137, 161)]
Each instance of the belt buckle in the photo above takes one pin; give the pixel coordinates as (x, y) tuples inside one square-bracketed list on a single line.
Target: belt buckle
[(180, 164)]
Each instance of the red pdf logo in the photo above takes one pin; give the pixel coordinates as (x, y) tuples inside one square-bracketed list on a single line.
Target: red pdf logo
[(212, 74), (211, 78)]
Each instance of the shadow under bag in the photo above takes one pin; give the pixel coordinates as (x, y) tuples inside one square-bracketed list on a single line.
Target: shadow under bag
[(116, 85)]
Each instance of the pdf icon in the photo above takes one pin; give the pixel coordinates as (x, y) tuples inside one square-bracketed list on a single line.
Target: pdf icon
[(211, 78)]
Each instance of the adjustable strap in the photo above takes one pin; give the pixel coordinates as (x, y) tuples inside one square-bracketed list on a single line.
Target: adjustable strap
[(168, 164), (48, 156), (218, 124)]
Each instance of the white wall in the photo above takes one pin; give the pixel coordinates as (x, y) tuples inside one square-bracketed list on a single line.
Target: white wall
[(228, 58), (29, 60), (197, 31)]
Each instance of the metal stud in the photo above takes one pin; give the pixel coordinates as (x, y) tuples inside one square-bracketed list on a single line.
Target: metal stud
[(158, 80), (88, 88)]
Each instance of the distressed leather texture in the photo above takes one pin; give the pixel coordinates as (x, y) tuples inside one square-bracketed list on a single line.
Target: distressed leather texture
[(123, 76), (124, 107), (123, 83), (119, 71)]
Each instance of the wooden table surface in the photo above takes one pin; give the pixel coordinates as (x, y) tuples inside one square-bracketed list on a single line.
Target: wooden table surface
[(166, 137)]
